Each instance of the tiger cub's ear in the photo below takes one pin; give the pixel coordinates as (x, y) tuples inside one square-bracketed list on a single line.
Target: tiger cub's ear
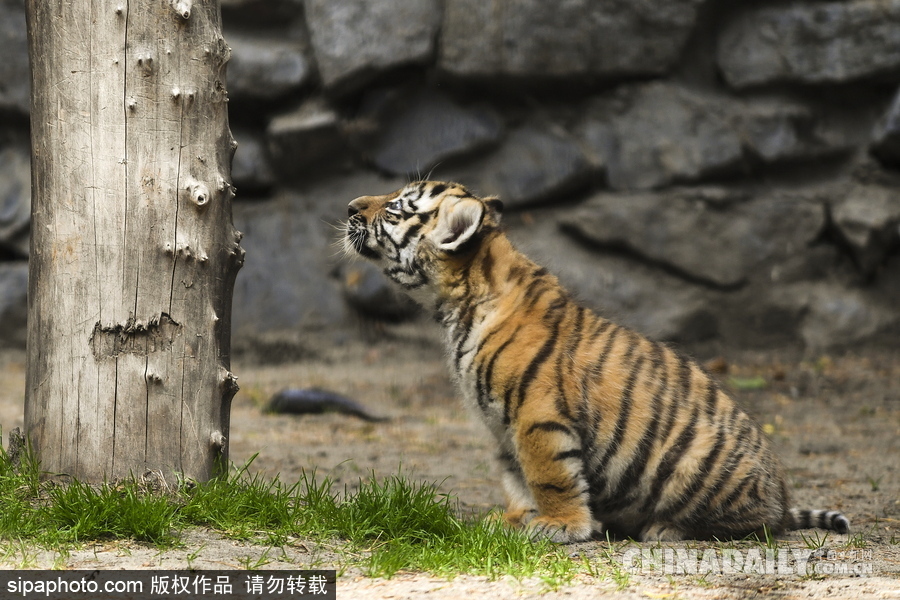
[(495, 206), (457, 224)]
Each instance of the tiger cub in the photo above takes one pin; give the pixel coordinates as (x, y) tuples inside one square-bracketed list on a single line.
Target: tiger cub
[(598, 428)]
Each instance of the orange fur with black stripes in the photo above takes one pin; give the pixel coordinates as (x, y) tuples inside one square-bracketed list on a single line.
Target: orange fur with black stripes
[(597, 427)]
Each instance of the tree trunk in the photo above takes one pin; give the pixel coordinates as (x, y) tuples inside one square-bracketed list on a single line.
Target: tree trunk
[(133, 251)]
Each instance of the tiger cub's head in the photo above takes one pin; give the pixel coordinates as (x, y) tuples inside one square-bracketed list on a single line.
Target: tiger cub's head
[(420, 231)]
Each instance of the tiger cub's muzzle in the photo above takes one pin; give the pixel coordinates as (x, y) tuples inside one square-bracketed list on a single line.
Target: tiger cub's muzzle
[(358, 234)]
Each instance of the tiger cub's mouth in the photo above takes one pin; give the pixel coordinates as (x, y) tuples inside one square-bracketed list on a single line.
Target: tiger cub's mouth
[(357, 235)]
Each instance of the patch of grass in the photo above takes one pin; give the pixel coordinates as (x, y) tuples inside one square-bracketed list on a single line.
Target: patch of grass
[(194, 555), (607, 564), (874, 483), (78, 512), (401, 526), (860, 539), (748, 383), (814, 540), (243, 507), (254, 564), (55, 516), (384, 527), (770, 541)]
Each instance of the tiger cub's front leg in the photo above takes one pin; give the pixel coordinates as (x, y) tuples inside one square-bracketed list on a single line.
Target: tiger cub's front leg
[(549, 454), (520, 505)]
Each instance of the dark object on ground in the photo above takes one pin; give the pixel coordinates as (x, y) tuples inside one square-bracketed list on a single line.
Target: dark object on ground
[(314, 401)]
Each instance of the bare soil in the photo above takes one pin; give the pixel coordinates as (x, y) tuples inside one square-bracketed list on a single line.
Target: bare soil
[(835, 420)]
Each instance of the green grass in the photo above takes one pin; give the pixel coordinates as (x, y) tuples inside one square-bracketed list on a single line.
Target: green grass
[(814, 540), (383, 527), (748, 383), (391, 526), (875, 483), (243, 507), (54, 515), (408, 526), (79, 512), (380, 527)]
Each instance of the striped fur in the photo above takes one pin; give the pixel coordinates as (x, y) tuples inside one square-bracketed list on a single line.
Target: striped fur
[(597, 427)]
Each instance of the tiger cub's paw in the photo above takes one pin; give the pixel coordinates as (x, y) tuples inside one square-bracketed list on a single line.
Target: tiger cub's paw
[(519, 517), (659, 532), (557, 530)]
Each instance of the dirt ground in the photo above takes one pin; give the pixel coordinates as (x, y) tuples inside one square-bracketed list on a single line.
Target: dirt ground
[(835, 420)]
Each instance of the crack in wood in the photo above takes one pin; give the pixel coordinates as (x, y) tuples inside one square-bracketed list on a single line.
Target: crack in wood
[(134, 337)]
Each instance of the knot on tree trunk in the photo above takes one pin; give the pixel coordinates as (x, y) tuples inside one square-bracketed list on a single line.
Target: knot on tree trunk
[(134, 337)]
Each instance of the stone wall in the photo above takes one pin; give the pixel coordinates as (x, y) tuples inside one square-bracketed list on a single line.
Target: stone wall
[(698, 169)]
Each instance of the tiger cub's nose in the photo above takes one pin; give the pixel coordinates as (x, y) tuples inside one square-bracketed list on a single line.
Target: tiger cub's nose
[(356, 206)]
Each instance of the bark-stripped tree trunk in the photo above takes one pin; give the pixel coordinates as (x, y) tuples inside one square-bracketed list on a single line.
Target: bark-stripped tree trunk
[(133, 251)]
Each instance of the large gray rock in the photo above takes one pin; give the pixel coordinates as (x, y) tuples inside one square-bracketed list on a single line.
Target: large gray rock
[(262, 68), (308, 142), (369, 292), (652, 135), (15, 76), (886, 137), (868, 217), (752, 318), (13, 304), (251, 169), (779, 130), (577, 38), (630, 293), (722, 246), (267, 12), (819, 262), (655, 134), (293, 270), (836, 316), (415, 130), (812, 42), (284, 283), (534, 164), (887, 284), (15, 198), (354, 40), (820, 315)]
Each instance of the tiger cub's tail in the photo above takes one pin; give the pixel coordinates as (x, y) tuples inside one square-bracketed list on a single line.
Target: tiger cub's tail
[(823, 519)]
